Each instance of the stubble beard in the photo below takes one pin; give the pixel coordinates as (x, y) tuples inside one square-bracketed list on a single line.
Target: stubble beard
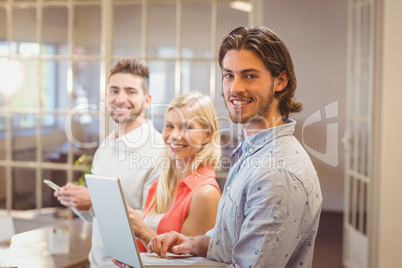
[(261, 113), (130, 118)]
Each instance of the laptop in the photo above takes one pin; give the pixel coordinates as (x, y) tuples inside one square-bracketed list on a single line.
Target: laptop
[(117, 232)]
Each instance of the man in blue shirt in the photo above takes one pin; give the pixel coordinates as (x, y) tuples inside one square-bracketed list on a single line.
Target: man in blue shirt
[(269, 212)]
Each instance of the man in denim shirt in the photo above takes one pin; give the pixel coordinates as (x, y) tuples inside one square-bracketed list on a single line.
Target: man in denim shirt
[(269, 212)]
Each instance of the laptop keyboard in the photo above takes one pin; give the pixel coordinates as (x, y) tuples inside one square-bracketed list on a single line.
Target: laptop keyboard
[(173, 260), (155, 259)]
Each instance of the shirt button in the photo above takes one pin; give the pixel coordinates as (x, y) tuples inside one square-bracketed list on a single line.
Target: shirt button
[(228, 188), (251, 150)]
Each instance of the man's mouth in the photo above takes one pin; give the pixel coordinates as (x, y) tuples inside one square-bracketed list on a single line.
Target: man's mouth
[(240, 102), (121, 109)]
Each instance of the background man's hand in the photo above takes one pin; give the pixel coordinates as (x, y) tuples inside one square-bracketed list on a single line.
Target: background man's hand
[(74, 196)]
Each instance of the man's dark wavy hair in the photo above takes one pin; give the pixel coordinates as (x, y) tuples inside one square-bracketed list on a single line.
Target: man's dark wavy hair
[(273, 52)]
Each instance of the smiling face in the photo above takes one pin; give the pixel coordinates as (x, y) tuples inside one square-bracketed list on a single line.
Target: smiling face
[(248, 88), (183, 135), (125, 98)]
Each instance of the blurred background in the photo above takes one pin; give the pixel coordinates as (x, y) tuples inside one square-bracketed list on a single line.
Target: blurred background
[(55, 56)]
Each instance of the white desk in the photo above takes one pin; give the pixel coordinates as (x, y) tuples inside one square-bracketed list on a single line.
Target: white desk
[(30, 249)]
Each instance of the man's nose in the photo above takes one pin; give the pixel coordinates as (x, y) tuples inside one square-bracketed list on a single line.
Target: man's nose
[(121, 97), (237, 86)]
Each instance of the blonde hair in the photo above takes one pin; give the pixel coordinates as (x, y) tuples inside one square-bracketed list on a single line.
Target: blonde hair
[(201, 108)]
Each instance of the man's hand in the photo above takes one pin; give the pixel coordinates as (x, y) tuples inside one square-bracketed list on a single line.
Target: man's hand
[(74, 196), (179, 244)]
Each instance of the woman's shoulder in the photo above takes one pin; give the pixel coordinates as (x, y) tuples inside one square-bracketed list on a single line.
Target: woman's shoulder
[(205, 172), (206, 180), (206, 193)]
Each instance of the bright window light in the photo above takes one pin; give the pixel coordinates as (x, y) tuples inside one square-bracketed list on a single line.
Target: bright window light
[(13, 76), (241, 5), (29, 49)]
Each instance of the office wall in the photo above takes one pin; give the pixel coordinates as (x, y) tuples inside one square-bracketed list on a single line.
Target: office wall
[(315, 32), (2, 184)]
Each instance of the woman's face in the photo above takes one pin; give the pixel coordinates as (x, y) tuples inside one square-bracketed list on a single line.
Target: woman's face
[(183, 134)]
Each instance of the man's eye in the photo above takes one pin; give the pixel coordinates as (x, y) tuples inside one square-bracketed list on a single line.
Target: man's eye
[(251, 76), (228, 76)]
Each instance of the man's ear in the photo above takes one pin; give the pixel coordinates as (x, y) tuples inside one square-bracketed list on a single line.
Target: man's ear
[(281, 81), (147, 101)]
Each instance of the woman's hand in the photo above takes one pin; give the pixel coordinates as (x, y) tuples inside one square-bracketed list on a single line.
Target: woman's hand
[(135, 219), (141, 230), (120, 264)]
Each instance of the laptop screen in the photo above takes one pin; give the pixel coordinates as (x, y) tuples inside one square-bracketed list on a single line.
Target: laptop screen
[(114, 223)]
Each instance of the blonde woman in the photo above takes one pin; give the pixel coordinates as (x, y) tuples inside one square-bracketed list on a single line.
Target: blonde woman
[(186, 196)]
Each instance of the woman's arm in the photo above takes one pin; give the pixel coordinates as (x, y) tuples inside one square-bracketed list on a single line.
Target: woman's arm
[(202, 212), (141, 230)]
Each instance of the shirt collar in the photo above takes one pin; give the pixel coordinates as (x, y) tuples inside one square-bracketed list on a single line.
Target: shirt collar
[(135, 137), (261, 138)]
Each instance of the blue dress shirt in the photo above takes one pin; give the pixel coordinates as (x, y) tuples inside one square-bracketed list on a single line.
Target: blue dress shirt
[(269, 212)]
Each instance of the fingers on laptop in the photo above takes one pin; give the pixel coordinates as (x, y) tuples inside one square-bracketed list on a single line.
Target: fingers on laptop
[(176, 243), (155, 245)]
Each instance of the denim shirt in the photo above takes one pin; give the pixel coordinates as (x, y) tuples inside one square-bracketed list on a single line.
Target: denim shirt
[(269, 212)]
